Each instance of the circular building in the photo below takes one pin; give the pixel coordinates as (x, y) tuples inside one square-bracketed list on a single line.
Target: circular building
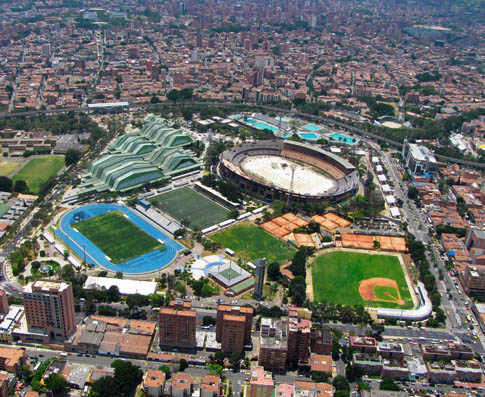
[(278, 170)]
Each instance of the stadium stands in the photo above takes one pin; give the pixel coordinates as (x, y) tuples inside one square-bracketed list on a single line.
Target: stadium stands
[(344, 174)]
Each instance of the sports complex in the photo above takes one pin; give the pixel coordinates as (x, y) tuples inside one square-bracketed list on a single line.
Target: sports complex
[(278, 170), (116, 238)]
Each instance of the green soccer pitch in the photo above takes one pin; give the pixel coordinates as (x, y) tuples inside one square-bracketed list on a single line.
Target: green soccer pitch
[(187, 204), (39, 170), (337, 276), (117, 236), (249, 242)]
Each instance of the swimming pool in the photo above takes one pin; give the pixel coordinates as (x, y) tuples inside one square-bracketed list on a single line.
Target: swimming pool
[(312, 127), (250, 121), (263, 126), (84, 248), (343, 138), (308, 136)]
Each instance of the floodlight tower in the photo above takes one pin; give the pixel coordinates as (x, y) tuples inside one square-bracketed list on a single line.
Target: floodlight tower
[(293, 168)]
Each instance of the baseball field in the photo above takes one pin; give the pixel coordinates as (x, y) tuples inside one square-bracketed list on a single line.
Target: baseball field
[(117, 236), (352, 278)]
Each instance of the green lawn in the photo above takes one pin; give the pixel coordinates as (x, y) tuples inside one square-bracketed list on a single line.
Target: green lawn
[(249, 242), (185, 203), (117, 236), (7, 167), (382, 292), (337, 276), (39, 170)]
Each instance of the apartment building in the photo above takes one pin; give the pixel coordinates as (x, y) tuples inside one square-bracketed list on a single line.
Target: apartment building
[(49, 307), (177, 325)]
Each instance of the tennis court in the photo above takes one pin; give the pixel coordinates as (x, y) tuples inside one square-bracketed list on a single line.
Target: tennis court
[(186, 203), (229, 273)]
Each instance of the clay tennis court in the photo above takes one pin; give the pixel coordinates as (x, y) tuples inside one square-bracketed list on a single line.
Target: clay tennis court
[(367, 290), (330, 221), (283, 225), (364, 241)]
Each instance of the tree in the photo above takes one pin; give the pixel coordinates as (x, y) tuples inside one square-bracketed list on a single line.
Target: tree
[(412, 193), (136, 300), (113, 294), (173, 95), (166, 371), (320, 377), (154, 99), (57, 385), (72, 156), (105, 386), (389, 385), (67, 273), (340, 383), (298, 265), (183, 364), (127, 375), (235, 359), (274, 272), (208, 320), (297, 290), (119, 275), (5, 184), (20, 186)]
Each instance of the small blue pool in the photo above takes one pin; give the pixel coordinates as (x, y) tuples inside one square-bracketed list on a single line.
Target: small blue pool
[(343, 138), (249, 121), (308, 136), (287, 135), (312, 127)]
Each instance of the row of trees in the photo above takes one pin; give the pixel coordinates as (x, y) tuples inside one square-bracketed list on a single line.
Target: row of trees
[(6, 185)]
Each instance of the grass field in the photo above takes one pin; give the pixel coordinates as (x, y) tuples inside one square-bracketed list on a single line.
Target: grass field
[(7, 167), (117, 236), (250, 242), (337, 276), (382, 292), (187, 204), (39, 170)]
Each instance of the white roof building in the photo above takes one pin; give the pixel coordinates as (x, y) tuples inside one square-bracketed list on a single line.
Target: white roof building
[(125, 286)]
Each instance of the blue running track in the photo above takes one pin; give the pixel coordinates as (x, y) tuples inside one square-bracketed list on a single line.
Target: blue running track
[(148, 262)]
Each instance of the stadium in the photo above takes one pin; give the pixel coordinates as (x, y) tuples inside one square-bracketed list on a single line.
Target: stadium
[(278, 170), (116, 238)]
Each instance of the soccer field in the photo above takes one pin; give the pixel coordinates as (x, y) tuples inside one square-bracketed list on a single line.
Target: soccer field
[(39, 170), (249, 242), (185, 203), (117, 236), (337, 276)]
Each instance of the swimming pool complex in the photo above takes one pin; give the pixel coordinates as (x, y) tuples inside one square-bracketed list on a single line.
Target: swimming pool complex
[(343, 138), (84, 248)]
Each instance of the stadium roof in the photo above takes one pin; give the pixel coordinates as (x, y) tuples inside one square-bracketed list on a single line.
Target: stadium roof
[(153, 153)]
